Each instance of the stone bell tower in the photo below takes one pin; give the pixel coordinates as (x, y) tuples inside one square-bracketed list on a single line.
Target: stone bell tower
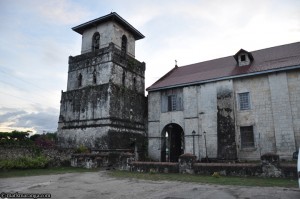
[(104, 105)]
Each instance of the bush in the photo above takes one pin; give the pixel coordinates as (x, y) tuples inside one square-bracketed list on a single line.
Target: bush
[(24, 163), (82, 149)]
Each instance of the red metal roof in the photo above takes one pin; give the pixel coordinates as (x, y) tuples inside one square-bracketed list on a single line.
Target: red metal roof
[(265, 60)]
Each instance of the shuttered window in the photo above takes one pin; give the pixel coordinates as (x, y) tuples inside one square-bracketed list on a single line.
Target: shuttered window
[(171, 101)]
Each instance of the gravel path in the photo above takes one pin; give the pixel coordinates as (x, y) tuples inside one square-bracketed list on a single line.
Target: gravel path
[(100, 185)]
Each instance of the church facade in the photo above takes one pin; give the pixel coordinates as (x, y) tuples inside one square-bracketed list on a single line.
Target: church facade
[(236, 107), (104, 104)]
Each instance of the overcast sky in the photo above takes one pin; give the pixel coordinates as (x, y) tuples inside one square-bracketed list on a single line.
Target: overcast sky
[(36, 40)]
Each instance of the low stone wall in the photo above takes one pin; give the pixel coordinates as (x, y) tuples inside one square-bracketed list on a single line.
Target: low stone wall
[(187, 164), (157, 167), (227, 169), (110, 160), (57, 156), (224, 169)]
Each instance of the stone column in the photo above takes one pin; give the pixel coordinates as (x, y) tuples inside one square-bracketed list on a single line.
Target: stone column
[(186, 162)]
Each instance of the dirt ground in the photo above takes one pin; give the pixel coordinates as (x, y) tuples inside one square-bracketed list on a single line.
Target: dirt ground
[(100, 185)]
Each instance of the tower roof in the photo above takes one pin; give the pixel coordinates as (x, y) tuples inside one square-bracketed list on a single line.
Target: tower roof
[(110, 17)]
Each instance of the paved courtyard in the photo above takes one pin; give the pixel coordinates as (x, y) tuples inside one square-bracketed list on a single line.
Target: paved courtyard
[(100, 185)]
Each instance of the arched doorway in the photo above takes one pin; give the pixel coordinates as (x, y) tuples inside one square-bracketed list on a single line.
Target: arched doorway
[(172, 143)]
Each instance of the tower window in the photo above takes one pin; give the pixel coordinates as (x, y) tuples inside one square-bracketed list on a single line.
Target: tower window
[(79, 80), (134, 83), (124, 45), (123, 78), (96, 41), (94, 77)]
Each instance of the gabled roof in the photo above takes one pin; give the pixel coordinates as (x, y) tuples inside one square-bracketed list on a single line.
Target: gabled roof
[(110, 17), (267, 60)]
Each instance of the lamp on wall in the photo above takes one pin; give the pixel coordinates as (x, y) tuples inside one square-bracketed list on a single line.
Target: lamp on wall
[(193, 134), (205, 146)]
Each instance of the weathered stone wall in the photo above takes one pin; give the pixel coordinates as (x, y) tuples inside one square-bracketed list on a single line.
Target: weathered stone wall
[(226, 122), (293, 80), (208, 120), (114, 103), (57, 157), (154, 134), (282, 115), (110, 160), (108, 65), (223, 169), (259, 116), (273, 113), (109, 32), (213, 108)]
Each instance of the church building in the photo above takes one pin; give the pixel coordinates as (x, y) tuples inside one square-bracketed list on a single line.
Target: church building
[(236, 107), (104, 105)]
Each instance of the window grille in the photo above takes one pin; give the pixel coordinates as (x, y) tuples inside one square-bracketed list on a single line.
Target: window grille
[(247, 137), (244, 101), (172, 103)]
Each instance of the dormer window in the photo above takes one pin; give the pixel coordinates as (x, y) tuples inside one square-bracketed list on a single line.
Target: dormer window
[(243, 58)]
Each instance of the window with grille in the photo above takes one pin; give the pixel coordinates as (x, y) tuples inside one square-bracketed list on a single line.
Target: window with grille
[(171, 100), (172, 103), (244, 101), (247, 137)]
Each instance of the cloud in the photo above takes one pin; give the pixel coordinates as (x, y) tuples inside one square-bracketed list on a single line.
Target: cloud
[(61, 11), (15, 119)]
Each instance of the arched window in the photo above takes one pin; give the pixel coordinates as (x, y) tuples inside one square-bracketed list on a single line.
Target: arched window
[(96, 41), (79, 80), (94, 77), (124, 45)]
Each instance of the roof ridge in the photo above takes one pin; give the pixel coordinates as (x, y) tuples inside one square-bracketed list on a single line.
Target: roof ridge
[(209, 60), (276, 58), (274, 47)]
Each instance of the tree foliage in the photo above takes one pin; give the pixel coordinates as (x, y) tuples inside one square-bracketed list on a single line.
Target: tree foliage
[(20, 138)]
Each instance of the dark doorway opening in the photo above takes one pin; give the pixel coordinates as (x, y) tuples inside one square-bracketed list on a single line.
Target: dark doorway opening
[(172, 143)]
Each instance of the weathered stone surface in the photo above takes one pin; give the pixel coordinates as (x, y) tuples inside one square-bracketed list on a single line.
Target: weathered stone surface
[(273, 114), (186, 162), (104, 106)]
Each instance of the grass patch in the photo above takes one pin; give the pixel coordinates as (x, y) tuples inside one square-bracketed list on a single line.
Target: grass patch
[(45, 171), (223, 180)]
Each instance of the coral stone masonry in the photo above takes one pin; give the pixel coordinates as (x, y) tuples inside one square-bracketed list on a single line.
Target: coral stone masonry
[(232, 108), (236, 107), (104, 104)]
